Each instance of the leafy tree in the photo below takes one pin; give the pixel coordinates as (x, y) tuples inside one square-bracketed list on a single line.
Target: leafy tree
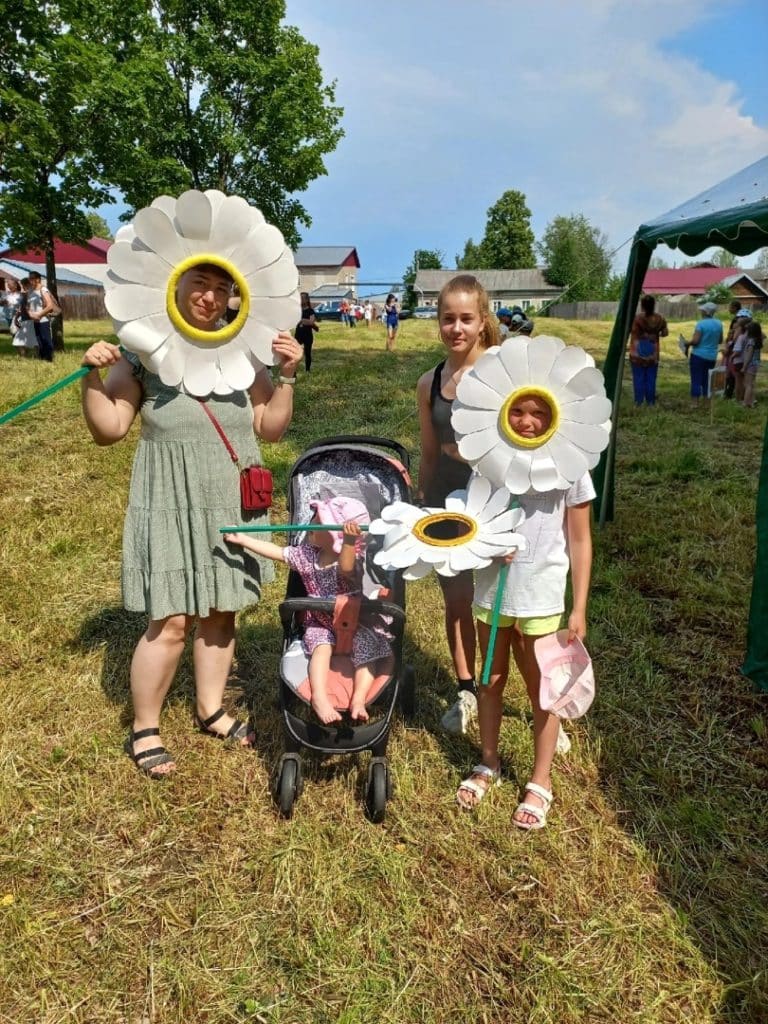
[(508, 240), (719, 293), (471, 259), (576, 256), (657, 263), (423, 259), (244, 109), (762, 261), (613, 287), (97, 226), (723, 258)]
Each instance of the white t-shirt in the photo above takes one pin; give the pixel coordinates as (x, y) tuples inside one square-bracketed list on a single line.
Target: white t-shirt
[(36, 299), (537, 576)]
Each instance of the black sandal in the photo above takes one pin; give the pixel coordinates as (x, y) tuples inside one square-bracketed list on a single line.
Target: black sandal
[(146, 760), (238, 731)]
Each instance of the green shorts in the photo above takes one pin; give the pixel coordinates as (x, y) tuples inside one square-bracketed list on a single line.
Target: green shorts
[(529, 625)]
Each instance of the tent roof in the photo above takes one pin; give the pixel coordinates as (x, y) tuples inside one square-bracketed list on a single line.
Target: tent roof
[(733, 214)]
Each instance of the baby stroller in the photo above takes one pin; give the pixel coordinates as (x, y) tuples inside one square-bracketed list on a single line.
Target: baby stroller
[(375, 471)]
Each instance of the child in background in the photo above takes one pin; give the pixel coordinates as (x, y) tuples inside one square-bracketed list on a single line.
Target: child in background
[(753, 344), (557, 528), (329, 565), (736, 357)]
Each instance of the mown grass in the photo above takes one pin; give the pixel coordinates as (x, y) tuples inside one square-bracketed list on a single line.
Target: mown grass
[(125, 901)]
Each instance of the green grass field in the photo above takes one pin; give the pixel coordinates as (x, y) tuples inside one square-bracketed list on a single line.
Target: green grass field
[(130, 902)]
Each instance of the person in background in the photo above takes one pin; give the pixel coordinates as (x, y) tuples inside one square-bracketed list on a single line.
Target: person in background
[(736, 352), (752, 348), (368, 312), (233, 306), (392, 314), (344, 310), (25, 339), (505, 317), (730, 381), (648, 328), (305, 329), (705, 344), (11, 301), (40, 306)]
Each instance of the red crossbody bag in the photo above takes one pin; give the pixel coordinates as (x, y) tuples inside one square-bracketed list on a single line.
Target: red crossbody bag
[(255, 481)]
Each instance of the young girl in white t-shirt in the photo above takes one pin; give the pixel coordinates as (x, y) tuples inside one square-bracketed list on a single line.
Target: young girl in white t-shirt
[(557, 528)]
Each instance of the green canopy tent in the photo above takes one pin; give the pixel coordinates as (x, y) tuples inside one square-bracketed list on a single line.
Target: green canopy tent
[(734, 215)]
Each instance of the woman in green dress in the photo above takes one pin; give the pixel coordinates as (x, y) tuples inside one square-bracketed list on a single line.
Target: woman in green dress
[(184, 486)]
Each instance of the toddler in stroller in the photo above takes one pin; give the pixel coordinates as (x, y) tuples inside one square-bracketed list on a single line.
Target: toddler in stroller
[(329, 565)]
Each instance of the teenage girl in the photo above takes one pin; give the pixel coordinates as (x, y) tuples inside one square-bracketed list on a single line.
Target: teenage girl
[(467, 327)]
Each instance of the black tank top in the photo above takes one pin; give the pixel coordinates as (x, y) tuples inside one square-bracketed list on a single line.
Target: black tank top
[(441, 409)]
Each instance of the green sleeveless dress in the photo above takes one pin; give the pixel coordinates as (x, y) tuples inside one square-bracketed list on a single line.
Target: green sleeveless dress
[(184, 486)]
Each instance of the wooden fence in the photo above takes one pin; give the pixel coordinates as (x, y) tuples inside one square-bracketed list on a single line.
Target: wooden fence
[(607, 310), (84, 307)]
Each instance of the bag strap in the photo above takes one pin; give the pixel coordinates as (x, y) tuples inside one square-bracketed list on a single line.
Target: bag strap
[(220, 432)]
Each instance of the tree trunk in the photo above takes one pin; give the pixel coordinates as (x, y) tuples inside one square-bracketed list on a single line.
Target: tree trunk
[(57, 325)]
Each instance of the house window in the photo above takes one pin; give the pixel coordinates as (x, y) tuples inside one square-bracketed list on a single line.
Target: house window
[(495, 304), (526, 304)]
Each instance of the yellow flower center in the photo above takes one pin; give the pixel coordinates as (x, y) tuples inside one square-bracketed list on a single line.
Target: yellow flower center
[(529, 417), (445, 529), (222, 334)]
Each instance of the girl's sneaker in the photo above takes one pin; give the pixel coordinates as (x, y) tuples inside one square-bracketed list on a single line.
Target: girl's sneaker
[(460, 715)]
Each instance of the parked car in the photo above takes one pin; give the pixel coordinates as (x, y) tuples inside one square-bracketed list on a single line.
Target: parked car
[(425, 312), (405, 313), (328, 311)]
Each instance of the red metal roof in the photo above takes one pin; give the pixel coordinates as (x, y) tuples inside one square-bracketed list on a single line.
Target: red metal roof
[(686, 281), (94, 251)]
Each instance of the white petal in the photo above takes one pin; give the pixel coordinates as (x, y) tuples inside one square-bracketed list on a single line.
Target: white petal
[(124, 234), (146, 335), (587, 382), (494, 464), (134, 300), (165, 203), (157, 232), (586, 436), (517, 478), (505, 522), (232, 226), (222, 388), (402, 511), (471, 391), (279, 279), (137, 266), (258, 338), (200, 371), (514, 356), (544, 473), (395, 534), (542, 352), (490, 370), (465, 420), (171, 369), (194, 215), (453, 503), (216, 198), (478, 495), (570, 460), (236, 368), (418, 571), (281, 314), (403, 555), (378, 526), (482, 549), (495, 505), (462, 558), (261, 247), (567, 365), (594, 409), (473, 446)]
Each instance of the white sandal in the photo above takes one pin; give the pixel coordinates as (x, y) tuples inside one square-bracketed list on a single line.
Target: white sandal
[(477, 788), (539, 813)]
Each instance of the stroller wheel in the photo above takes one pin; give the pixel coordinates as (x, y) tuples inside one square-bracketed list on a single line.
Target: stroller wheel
[(377, 791), (289, 784), (408, 691)]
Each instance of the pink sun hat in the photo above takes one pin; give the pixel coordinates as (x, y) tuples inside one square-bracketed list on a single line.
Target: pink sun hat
[(339, 510), (567, 680)]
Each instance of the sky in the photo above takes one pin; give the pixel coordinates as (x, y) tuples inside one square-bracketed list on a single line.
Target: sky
[(615, 109)]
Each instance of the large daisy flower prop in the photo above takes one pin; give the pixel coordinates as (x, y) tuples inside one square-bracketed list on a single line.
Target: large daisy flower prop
[(172, 236), (564, 377), (475, 526)]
